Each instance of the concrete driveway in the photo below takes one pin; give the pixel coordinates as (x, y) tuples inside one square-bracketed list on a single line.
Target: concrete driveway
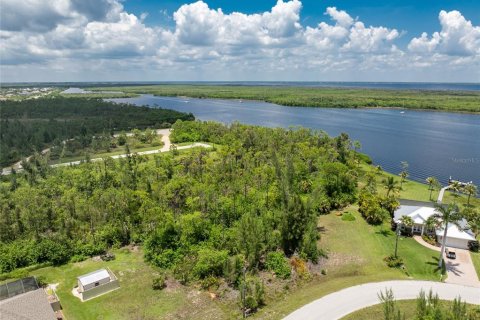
[(461, 270)]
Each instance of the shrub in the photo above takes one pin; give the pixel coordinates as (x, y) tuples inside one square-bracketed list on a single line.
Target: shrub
[(56, 251), (277, 263), (159, 282), (183, 269), (108, 256), (371, 210), (393, 262), (300, 267), (41, 281), (348, 216), (474, 245), (78, 258), (251, 303), (254, 294), (210, 282), (429, 239), (210, 262)]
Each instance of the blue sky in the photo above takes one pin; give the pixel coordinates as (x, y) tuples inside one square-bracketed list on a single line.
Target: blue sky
[(314, 40), (413, 17)]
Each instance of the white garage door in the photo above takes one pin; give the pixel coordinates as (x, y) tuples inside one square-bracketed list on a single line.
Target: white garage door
[(457, 243)]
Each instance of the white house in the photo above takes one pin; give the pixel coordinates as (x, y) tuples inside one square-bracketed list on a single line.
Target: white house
[(456, 238)]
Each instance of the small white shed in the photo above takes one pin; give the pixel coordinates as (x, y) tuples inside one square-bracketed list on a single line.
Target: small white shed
[(93, 279), (96, 283)]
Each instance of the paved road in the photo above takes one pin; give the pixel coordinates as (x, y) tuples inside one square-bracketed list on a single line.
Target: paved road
[(166, 147), (341, 303)]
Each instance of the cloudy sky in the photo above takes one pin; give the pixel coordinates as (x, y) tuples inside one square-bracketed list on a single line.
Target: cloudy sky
[(233, 40)]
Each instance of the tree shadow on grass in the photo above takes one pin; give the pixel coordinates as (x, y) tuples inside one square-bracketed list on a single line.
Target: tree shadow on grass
[(321, 229), (384, 232), (435, 263)]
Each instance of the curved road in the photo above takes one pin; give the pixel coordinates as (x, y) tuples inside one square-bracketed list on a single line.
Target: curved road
[(166, 147), (341, 303)]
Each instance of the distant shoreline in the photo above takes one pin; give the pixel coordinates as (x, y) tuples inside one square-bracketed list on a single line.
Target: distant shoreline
[(386, 85), (321, 97)]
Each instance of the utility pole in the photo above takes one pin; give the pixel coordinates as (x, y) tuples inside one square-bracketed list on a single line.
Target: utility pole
[(396, 241), (244, 292)]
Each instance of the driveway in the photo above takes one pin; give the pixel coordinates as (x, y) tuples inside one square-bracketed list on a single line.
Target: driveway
[(461, 270), (341, 303)]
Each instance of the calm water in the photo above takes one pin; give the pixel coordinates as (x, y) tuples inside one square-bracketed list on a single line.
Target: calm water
[(436, 144)]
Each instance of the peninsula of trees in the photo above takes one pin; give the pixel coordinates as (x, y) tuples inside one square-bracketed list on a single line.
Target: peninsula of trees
[(452, 101)]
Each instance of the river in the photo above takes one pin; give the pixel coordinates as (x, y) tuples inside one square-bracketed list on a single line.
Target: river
[(439, 144)]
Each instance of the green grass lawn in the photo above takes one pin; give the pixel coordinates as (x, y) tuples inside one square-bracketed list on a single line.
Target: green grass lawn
[(406, 306), (476, 261), (356, 252), (135, 299), (414, 190)]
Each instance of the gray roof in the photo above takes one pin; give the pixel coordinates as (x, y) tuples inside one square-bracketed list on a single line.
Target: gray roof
[(32, 305)]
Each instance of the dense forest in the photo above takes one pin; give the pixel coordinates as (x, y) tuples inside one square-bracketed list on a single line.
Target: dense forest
[(32, 125), (465, 101), (251, 201)]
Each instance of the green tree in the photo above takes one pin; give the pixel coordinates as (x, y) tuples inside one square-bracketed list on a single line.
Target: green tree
[(471, 190), (456, 187), (122, 138), (391, 185), (407, 222), (445, 215), (432, 185), (390, 308), (404, 173), (295, 222)]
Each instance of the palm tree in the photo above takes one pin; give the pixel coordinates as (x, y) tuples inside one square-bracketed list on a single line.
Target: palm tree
[(432, 184), (407, 221), (404, 173), (357, 146), (431, 224), (456, 187), (391, 185), (471, 190), (445, 214)]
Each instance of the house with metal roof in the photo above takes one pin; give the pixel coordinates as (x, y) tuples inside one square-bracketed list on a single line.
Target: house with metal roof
[(96, 283), (456, 237)]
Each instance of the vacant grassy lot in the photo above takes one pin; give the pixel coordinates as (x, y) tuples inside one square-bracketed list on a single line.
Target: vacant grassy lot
[(406, 306), (321, 97)]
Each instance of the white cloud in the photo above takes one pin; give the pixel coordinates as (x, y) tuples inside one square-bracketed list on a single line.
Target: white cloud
[(341, 17), (457, 37), (206, 43)]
